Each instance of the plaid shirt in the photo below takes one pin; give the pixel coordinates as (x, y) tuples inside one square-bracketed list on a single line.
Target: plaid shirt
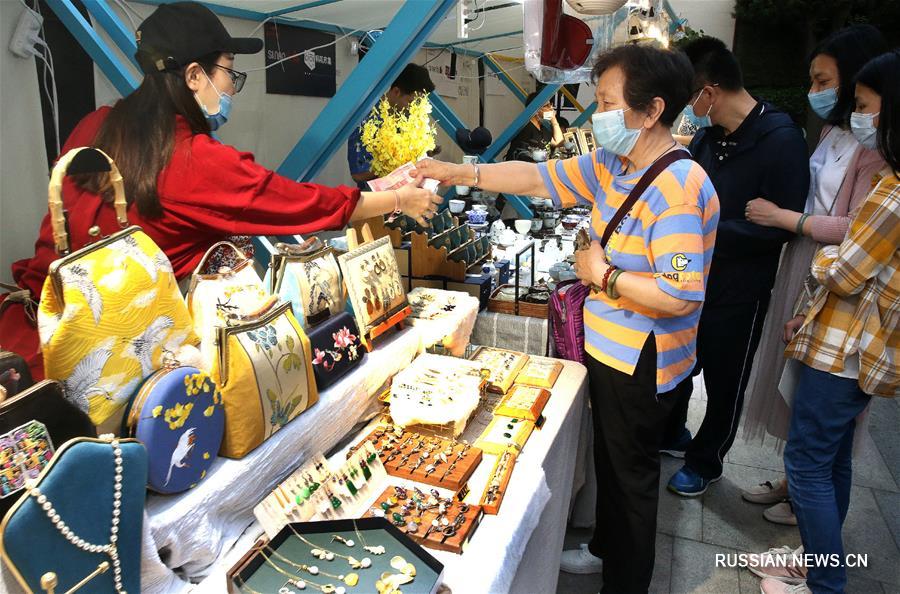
[(856, 308)]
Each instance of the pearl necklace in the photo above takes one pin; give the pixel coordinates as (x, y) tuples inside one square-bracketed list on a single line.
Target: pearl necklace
[(108, 549)]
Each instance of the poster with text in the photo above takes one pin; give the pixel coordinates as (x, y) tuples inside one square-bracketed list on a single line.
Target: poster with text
[(438, 65), (306, 71)]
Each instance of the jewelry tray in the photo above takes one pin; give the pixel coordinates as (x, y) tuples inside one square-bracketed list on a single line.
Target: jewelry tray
[(253, 570), (493, 507), (540, 371), (493, 440), (453, 481), (435, 540), (523, 402), (501, 379)]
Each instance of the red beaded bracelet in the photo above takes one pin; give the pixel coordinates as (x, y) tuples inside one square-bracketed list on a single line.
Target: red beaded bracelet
[(605, 280)]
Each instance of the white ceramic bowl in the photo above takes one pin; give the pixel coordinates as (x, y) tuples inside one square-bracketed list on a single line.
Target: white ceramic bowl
[(523, 226), (457, 206)]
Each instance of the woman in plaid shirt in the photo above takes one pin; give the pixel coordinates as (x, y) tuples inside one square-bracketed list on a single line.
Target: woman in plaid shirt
[(846, 340)]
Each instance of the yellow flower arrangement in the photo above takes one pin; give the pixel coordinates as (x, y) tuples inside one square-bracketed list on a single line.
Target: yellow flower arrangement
[(395, 137)]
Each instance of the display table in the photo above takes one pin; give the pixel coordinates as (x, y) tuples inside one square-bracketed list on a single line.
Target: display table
[(517, 550), (193, 529), (516, 333)]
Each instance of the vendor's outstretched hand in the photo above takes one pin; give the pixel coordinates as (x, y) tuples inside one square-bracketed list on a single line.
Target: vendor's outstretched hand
[(446, 173), (419, 203)]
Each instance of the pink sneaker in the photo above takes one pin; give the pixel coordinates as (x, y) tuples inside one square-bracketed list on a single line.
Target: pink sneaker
[(773, 586), (782, 564)]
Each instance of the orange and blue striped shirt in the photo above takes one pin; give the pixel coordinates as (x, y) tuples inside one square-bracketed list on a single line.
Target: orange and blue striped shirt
[(668, 235)]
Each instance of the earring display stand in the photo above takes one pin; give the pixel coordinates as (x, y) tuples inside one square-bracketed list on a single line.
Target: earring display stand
[(463, 518), (392, 320), (400, 451)]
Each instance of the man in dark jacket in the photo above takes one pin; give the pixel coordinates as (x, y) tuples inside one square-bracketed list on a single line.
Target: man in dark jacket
[(749, 149)]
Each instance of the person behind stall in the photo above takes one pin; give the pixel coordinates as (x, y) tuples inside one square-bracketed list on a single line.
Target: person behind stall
[(749, 149), (536, 135), (842, 173), (413, 80), (184, 188), (846, 343), (641, 320)]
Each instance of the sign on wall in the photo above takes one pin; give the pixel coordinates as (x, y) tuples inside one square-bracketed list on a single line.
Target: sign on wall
[(310, 72)]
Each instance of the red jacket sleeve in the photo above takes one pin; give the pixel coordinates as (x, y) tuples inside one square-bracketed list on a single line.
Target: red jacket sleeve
[(217, 187)]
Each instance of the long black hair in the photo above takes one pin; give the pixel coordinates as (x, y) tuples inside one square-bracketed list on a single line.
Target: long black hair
[(882, 75), (139, 133), (851, 48)]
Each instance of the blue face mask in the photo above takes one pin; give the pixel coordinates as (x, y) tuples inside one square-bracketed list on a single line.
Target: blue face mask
[(611, 133), (823, 102), (698, 122), (220, 118), (863, 127)]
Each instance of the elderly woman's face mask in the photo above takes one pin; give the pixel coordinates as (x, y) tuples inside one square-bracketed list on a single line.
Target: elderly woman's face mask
[(611, 133)]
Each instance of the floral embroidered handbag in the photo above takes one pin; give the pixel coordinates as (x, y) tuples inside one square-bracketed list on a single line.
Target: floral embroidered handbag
[(215, 297), (264, 371), (178, 415), (109, 311), (308, 277), (336, 349)]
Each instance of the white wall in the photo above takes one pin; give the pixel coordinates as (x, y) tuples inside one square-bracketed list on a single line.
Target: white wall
[(712, 16), (23, 159)]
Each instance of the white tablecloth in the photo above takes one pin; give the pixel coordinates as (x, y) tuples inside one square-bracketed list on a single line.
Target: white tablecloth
[(192, 530), (516, 551)]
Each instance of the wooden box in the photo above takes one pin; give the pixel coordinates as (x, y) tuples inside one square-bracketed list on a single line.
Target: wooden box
[(495, 488), (523, 402)]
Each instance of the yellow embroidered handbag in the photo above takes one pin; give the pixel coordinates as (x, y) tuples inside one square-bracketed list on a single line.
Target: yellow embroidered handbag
[(108, 311), (264, 372)]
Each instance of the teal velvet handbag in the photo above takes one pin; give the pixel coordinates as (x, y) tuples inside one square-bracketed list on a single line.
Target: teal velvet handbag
[(78, 487)]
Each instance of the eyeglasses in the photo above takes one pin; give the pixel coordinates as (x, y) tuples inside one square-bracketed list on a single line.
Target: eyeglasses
[(237, 78)]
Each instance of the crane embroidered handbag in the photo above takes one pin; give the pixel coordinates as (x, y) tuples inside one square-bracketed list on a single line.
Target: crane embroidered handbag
[(264, 371), (108, 311), (215, 297), (178, 415), (309, 278)]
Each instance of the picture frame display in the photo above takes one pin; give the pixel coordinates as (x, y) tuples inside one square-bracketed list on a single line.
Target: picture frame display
[(373, 283)]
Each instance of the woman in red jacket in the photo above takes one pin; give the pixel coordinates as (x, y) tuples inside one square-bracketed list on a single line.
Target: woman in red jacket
[(185, 188)]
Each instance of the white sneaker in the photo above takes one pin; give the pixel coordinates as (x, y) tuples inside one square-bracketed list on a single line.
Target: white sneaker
[(580, 560), (781, 513), (767, 493), (782, 563)]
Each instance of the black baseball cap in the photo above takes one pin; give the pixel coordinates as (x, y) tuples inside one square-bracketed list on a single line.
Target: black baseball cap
[(177, 34)]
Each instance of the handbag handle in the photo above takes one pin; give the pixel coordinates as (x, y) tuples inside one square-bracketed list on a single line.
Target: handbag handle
[(241, 255), (54, 195)]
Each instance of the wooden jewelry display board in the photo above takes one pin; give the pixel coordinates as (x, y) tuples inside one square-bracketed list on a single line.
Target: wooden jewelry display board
[(523, 402), (540, 371), (497, 483), (374, 285), (433, 522), (504, 366), (432, 460)]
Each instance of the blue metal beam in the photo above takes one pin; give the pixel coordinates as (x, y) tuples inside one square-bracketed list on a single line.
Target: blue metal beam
[(300, 7), (504, 78), (228, 11), (585, 115), (410, 27), (120, 35), (121, 78), (507, 135)]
